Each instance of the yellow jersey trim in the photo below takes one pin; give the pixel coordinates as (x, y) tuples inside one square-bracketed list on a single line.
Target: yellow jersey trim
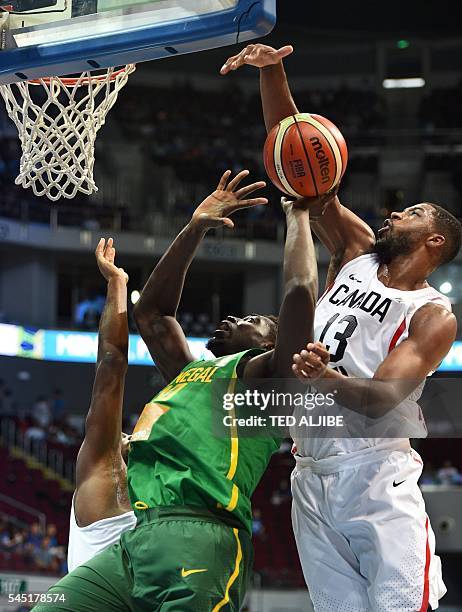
[(234, 438), (233, 576), (234, 497)]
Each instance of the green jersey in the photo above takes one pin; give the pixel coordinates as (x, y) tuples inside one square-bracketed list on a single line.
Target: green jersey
[(176, 459)]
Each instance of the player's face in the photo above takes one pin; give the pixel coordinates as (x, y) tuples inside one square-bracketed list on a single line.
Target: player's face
[(234, 334), (404, 231)]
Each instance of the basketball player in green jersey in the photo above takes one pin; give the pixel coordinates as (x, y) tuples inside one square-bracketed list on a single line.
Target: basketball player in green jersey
[(191, 550)]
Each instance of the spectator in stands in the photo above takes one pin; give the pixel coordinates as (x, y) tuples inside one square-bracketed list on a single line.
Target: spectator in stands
[(258, 529), (286, 446), (6, 538), (449, 474), (282, 494), (428, 474), (35, 433), (57, 405), (52, 534), (7, 402), (44, 558), (35, 536), (41, 413)]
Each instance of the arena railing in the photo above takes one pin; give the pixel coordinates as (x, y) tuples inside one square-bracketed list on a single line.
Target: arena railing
[(17, 505), (41, 451)]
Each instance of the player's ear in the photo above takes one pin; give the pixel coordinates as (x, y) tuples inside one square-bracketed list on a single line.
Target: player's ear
[(435, 241)]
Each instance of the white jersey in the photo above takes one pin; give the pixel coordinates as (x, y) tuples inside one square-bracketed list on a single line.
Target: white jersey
[(86, 542), (360, 320)]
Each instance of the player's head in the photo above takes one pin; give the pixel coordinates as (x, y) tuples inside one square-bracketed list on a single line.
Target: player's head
[(234, 334), (125, 446), (426, 228)]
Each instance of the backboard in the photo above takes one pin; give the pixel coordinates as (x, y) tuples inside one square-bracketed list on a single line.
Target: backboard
[(41, 38)]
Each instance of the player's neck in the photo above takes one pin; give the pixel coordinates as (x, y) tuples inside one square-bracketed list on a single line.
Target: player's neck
[(404, 273)]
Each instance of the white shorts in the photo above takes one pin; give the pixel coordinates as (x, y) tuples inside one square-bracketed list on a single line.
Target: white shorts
[(364, 539)]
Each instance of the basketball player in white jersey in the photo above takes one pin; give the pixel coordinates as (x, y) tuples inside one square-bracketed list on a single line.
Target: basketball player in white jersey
[(359, 518), (101, 510)]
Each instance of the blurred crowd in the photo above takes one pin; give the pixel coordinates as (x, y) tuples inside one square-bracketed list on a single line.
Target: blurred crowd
[(46, 419), (186, 137), (448, 474), (189, 137), (441, 109), (38, 548)]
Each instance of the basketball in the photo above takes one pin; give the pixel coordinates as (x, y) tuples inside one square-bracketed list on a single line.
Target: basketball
[(305, 155)]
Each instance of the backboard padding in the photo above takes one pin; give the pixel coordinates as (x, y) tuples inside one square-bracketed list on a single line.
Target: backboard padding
[(125, 31)]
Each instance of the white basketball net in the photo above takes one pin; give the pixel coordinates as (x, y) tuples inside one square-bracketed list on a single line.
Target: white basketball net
[(58, 130)]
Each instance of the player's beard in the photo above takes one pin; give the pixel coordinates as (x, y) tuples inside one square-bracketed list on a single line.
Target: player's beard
[(389, 247)]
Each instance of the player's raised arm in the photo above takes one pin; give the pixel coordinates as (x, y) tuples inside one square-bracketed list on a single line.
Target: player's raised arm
[(155, 311), (276, 98), (296, 315), (342, 232), (103, 425), (431, 335)]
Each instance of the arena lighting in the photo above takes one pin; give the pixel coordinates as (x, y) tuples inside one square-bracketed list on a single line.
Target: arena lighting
[(411, 83), (446, 287), (403, 44), (134, 296)]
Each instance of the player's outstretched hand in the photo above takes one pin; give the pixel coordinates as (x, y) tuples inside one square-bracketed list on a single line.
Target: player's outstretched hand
[(256, 55), (105, 257), (214, 211), (315, 205), (311, 363)]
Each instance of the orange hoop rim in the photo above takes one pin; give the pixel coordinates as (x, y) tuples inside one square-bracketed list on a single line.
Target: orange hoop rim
[(97, 78)]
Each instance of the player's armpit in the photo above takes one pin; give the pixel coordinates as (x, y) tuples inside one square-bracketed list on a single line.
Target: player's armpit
[(342, 232), (166, 343)]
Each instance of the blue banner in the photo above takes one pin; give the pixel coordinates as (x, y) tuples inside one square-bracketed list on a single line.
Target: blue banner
[(76, 346)]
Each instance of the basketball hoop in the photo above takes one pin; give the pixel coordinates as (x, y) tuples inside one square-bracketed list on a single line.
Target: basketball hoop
[(58, 133)]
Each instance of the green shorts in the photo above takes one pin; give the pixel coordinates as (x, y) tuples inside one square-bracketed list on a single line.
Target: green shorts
[(177, 559)]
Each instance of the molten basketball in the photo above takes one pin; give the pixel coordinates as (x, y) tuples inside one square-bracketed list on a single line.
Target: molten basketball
[(305, 155)]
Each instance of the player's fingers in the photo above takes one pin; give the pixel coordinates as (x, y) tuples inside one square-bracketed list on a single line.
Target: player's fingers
[(299, 361), (100, 247), (237, 61), (310, 359), (299, 373), (109, 248), (249, 203), (283, 52), (248, 189), (317, 347), (227, 65), (219, 221), (224, 179), (228, 222), (237, 180)]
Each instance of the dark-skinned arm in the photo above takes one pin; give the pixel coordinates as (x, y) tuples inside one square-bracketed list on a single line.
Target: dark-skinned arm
[(296, 315), (155, 312), (431, 334), (342, 232), (99, 454)]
